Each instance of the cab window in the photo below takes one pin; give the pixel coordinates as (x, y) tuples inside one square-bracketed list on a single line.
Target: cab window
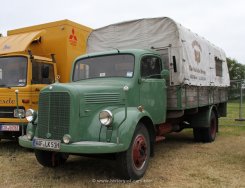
[(42, 73), (151, 67)]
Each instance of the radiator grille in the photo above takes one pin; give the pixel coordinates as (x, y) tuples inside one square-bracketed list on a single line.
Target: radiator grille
[(54, 114)]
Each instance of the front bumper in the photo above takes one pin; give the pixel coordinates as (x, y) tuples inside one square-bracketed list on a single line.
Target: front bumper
[(83, 147)]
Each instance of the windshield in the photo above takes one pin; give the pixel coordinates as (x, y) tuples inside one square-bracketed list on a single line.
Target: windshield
[(117, 65), (13, 71)]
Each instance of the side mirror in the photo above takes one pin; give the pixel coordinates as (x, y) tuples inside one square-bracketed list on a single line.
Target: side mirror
[(165, 74)]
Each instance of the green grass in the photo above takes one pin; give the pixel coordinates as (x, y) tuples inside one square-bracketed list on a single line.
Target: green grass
[(233, 114), (178, 162), (228, 125)]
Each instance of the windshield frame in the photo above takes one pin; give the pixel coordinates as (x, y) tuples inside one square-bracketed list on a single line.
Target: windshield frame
[(26, 72), (102, 77)]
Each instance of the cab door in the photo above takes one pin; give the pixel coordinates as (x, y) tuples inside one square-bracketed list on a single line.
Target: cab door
[(153, 88), (43, 74)]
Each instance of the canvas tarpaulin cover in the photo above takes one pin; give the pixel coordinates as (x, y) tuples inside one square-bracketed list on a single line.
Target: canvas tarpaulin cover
[(191, 59)]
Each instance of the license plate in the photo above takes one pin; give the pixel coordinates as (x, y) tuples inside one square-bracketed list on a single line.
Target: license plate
[(9, 127), (45, 143)]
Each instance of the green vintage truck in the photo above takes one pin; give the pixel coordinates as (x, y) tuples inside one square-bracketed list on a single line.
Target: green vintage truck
[(140, 80)]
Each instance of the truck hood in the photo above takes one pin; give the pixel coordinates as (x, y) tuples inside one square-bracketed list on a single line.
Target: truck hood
[(75, 107), (93, 87)]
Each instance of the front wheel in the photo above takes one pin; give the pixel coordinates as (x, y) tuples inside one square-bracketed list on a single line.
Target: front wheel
[(50, 158), (133, 162)]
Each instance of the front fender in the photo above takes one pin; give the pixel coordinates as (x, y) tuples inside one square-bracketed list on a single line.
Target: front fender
[(122, 134)]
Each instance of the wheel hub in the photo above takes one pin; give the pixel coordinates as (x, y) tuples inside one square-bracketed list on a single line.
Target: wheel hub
[(139, 152)]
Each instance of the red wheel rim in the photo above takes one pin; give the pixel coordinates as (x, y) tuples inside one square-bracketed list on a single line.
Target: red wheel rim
[(139, 152)]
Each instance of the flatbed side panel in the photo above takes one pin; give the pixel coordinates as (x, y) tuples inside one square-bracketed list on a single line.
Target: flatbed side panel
[(204, 96), (188, 97)]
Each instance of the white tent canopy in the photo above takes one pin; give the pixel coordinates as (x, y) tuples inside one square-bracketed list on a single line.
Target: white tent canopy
[(190, 58)]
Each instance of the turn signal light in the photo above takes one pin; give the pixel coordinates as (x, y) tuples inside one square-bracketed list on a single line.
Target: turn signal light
[(25, 100)]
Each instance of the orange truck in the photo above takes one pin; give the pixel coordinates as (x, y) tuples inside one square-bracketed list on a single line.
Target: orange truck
[(31, 58)]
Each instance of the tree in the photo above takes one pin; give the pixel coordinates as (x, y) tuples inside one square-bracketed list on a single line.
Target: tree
[(236, 70), (1, 35)]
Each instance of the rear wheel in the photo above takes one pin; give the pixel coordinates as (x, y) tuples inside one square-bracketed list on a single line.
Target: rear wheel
[(133, 162), (207, 134), (50, 159), (198, 135), (210, 132)]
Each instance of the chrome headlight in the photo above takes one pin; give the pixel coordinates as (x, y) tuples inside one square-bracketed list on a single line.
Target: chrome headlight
[(106, 117), (19, 113), (66, 138), (31, 115)]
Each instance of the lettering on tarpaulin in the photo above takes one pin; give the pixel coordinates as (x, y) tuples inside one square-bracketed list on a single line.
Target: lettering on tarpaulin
[(197, 70), (193, 77)]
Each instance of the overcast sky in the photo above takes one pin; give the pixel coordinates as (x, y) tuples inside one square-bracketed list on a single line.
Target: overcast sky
[(222, 22)]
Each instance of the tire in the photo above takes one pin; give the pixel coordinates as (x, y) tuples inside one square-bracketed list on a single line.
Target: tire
[(197, 133), (133, 162), (207, 134), (50, 159)]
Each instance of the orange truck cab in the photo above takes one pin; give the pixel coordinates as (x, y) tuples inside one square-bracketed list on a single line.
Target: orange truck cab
[(31, 58)]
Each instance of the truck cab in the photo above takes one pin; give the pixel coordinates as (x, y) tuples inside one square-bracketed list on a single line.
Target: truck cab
[(27, 75), (30, 59), (111, 106)]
